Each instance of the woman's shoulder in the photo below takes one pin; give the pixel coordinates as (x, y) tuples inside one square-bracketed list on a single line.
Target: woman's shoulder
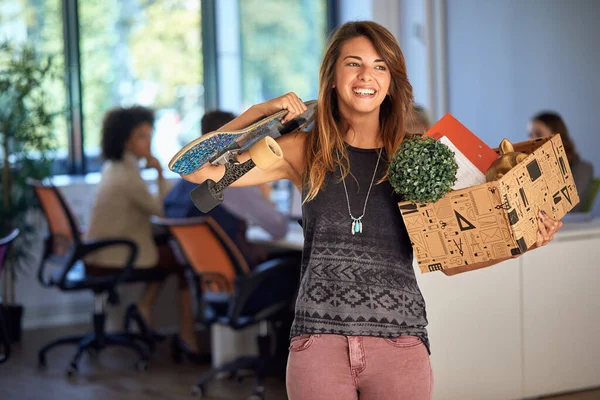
[(119, 173), (584, 168), (588, 165)]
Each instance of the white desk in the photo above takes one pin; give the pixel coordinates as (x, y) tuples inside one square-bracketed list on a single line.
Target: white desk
[(523, 328), (293, 240)]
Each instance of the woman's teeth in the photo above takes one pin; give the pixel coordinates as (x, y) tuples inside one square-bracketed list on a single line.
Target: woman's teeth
[(364, 91)]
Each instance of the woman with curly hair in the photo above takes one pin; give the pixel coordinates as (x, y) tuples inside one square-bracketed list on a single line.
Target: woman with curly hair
[(123, 207)]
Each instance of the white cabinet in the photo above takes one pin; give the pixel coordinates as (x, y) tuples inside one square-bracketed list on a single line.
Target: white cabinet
[(475, 332), (520, 329), (561, 316)]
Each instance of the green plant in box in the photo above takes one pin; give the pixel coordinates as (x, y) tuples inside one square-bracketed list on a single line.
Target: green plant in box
[(423, 170)]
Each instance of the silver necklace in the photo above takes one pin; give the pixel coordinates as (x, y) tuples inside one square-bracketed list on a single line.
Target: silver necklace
[(357, 225)]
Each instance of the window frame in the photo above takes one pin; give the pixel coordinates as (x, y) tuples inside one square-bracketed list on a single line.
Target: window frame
[(76, 160)]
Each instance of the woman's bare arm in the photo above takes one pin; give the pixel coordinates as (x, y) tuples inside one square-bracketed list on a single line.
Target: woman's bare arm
[(289, 102), (291, 164)]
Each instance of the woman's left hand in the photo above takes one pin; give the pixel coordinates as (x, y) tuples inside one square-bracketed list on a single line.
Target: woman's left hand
[(547, 227)]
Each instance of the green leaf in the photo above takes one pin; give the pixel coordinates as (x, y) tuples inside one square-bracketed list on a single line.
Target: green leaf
[(27, 142)]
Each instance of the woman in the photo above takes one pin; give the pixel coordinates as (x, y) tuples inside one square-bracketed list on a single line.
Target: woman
[(548, 123), (359, 327), (124, 205)]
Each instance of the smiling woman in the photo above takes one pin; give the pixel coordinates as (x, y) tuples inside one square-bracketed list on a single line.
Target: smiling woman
[(358, 298), (363, 97), (360, 78)]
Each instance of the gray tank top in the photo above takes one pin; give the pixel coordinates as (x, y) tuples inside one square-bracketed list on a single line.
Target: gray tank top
[(362, 284)]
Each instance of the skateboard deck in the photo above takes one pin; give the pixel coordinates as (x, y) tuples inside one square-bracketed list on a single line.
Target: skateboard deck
[(220, 147), (223, 147)]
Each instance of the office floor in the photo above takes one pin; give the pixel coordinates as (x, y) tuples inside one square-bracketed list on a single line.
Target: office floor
[(112, 376)]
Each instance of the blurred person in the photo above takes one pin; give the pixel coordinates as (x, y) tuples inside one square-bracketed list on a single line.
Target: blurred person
[(417, 120), (242, 206), (547, 123), (123, 207)]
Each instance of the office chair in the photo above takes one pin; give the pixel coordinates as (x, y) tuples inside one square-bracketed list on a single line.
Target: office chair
[(234, 296), (5, 244), (65, 248)]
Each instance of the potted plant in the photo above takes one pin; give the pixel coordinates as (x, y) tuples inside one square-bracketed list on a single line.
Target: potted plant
[(27, 143), (423, 170)]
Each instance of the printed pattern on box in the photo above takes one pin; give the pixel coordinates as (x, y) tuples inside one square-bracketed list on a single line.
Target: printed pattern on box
[(543, 181)]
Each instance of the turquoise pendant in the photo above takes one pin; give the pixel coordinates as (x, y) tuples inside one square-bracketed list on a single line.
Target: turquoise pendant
[(357, 226)]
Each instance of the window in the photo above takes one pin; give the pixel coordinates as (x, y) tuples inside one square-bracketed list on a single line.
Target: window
[(145, 52), (150, 52), (282, 44), (39, 23)]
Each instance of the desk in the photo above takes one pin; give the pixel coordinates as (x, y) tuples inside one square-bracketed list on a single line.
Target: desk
[(293, 240)]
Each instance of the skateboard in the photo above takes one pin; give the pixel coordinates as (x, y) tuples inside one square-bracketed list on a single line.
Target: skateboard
[(223, 147)]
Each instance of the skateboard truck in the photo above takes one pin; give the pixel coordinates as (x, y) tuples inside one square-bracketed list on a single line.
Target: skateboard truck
[(263, 155), (226, 158)]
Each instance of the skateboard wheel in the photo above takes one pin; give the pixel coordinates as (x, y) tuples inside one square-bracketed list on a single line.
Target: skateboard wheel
[(266, 153), (204, 197)]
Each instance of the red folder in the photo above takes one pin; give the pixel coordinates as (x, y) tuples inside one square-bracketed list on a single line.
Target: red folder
[(479, 153)]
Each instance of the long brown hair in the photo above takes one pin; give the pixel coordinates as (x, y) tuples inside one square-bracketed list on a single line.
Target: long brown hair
[(326, 140), (555, 123)]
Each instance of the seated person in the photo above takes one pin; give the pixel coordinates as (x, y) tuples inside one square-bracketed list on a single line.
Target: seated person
[(123, 207), (548, 123), (241, 206)]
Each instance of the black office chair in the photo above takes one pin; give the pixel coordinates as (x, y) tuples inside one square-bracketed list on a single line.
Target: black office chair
[(5, 244), (233, 295), (262, 297), (65, 248)]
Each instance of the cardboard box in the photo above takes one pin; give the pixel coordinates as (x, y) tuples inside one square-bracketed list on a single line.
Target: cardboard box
[(496, 220)]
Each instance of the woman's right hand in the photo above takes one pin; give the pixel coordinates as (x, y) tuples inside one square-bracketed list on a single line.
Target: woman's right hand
[(152, 162), (290, 102)]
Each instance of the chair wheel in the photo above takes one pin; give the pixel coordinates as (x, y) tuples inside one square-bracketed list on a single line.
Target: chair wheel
[(72, 370), (198, 391), (141, 366)]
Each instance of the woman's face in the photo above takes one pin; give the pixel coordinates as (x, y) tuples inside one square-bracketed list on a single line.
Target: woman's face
[(538, 129), (140, 141), (362, 79)]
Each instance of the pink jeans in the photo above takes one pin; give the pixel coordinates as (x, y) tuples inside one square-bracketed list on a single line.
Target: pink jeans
[(333, 367)]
